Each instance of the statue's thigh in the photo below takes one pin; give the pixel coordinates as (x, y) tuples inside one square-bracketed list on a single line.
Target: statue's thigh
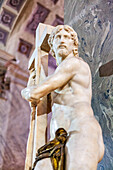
[(44, 164), (80, 155)]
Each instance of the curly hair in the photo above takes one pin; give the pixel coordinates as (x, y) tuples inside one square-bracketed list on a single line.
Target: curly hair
[(69, 30)]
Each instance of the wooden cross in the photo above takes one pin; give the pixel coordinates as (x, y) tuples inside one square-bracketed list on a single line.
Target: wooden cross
[(106, 69), (38, 72)]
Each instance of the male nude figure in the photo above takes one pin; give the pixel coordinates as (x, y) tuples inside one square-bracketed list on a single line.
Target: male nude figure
[(71, 95)]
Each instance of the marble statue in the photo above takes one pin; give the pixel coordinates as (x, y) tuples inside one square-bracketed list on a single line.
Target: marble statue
[(71, 90)]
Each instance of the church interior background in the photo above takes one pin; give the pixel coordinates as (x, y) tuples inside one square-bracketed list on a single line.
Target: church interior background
[(93, 22)]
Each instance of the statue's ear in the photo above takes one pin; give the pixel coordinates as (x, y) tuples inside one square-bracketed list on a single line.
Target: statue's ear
[(75, 51)]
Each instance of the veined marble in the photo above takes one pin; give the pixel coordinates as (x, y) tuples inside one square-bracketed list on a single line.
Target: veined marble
[(93, 22)]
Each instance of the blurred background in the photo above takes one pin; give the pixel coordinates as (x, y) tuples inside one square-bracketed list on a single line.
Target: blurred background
[(93, 22), (18, 22)]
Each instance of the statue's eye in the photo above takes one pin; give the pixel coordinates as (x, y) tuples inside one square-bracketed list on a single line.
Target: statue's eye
[(67, 36), (58, 36)]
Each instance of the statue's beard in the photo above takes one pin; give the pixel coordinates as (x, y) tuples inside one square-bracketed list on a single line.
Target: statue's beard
[(63, 53)]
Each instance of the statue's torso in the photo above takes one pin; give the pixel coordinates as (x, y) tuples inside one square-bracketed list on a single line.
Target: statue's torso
[(72, 102), (78, 89)]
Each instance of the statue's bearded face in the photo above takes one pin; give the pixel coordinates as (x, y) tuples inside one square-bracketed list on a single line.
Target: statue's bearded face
[(63, 44)]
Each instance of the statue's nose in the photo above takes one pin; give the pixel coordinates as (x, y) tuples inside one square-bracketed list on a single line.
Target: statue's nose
[(62, 39)]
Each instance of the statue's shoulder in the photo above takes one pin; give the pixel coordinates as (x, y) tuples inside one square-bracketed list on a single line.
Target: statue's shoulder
[(72, 60), (75, 60), (82, 61), (82, 64)]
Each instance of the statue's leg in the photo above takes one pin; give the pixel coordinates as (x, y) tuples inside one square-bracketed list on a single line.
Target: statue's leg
[(81, 152)]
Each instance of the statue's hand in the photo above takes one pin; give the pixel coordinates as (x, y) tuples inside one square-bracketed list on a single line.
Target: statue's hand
[(27, 94)]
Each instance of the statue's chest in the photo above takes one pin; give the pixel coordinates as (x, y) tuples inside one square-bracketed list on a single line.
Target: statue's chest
[(67, 89)]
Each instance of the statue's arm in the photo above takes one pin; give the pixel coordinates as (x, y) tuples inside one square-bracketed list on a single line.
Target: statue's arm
[(60, 78)]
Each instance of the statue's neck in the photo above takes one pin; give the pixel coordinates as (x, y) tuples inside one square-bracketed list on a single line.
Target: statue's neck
[(59, 59)]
